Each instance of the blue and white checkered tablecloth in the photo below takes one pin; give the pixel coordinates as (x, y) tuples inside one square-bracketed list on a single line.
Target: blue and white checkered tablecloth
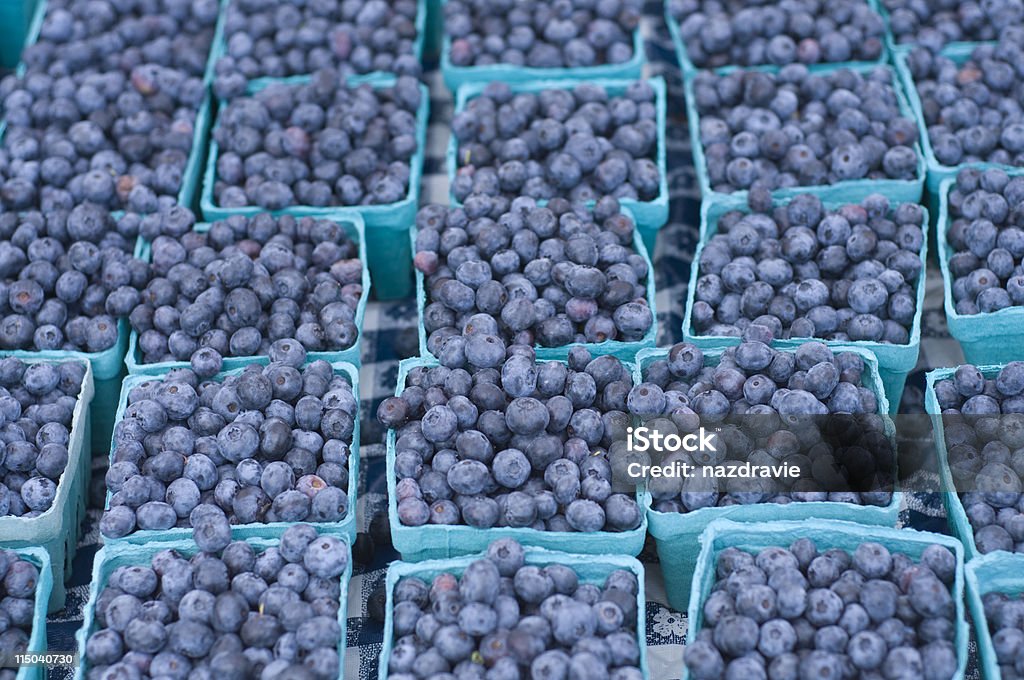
[(390, 334)]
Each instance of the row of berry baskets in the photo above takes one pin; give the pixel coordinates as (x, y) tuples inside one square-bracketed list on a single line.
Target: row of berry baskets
[(697, 546), (386, 222), (989, 330), (916, 68), (688, 542), (414, 590)]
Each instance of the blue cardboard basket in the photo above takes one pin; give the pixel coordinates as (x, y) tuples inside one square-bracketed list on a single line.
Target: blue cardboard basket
[(37, 638), (346, 526), (895, 362), (986, 338), (353, 225), (999, 573), (220, 47), (850, 191), (15, 17), (108, 365), (22, 21), (434, 29), (650, 215), (826, 534), (937, 172), (688, 68), (107, 372), (57, 530), (192, 173), (439, 541), (955, 512), (676, 534), (457, 76), (390, 261), (623, 350), (592, 569), (896, 48), (110, 557)]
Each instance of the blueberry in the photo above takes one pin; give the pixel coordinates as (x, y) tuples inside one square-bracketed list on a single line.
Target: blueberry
[(326, 557)]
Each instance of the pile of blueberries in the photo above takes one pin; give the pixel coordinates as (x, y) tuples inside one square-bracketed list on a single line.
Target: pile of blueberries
[(973, 110), (268, 444), (245, 284), (18, 579), (580, 143), (541, 33), (267, 39), (517, 443), (935, 24), (106, 109), (801, 271), (321, 143), (37, 404), (986, 234), (1004, 614), (228, 611), (550, 275), (65, 278), (515, 620), (768, 406), (799, 613), (720, 33), (796, 128), (983, 424)]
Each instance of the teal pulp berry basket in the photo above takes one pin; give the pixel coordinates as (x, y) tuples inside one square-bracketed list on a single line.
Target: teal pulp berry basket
[(826, 535), (676, 534), (110, 557), (999, 573), (387, 243), (688, 68), (650, 215), (23, 20), (623, 350), (353, 225), (191, 175), (440, 541), (37, 638), (220, 47), (346, 526), (108, 365), (434, 29), (457, 76), (986, 338), (591, 569), (849, 191), (937, 172), (955, 512), (903, 47), (57, 530), (107, 373), (15, 18), (895, 362)]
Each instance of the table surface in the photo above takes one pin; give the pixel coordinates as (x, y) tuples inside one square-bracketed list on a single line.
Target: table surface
[(389, 335)]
